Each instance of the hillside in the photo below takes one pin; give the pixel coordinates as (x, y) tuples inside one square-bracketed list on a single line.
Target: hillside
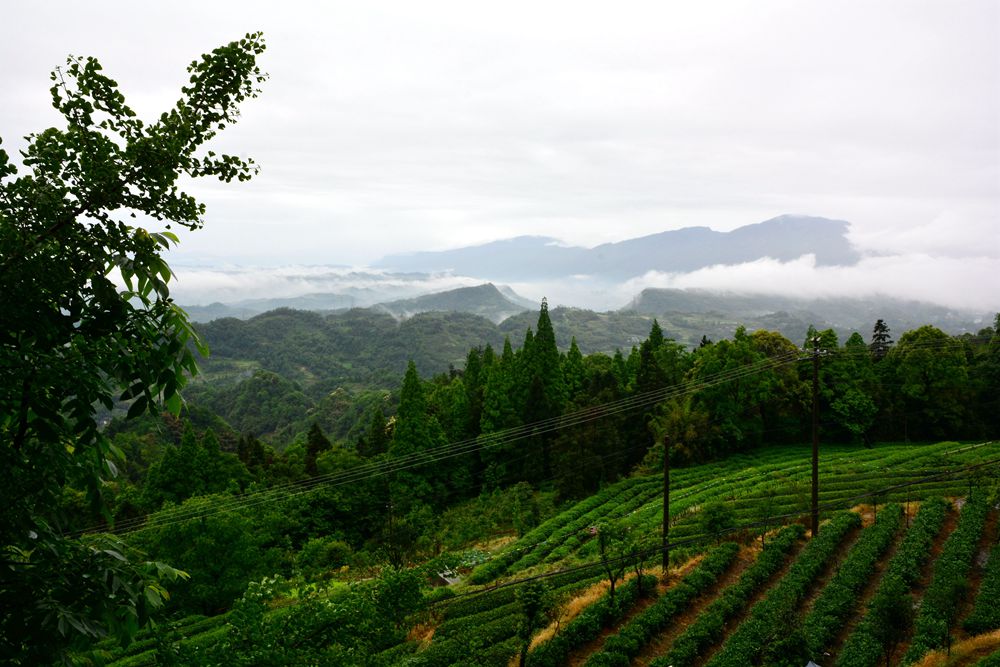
[(483, 300), (727, 601), (792, 316)]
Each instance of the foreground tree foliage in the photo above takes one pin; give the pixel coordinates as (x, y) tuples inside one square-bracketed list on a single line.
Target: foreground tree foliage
[(86, 319)]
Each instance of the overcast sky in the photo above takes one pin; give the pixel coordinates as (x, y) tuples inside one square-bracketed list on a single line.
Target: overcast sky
[(391, 127)]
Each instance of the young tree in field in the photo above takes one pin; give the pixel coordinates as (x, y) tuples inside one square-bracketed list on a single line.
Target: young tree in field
[(618, 551), (71, 337), (531, 599)]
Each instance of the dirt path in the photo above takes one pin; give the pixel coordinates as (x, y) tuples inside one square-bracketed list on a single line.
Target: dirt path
[(757, 597), (867, 594), (965, 653), (661, 643), (581, 654), (917, 592), (829, 571)]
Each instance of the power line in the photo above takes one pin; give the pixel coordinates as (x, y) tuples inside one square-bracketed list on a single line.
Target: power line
[(647, 553), (443, 452)]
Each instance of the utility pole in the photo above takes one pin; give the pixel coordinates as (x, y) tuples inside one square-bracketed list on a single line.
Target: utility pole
[(665, 547), (815, 438)]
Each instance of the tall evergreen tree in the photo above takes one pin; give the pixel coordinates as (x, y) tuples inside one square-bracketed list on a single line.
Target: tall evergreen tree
[(546, 394), (376, 440), (574, 375), (881, 340), (500, 411), (316, 444), (415, 431)]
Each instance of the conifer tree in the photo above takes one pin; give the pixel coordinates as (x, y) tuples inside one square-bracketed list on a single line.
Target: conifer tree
[(415, 431), (546, 394), (574, 375), (499, 412), (376, 440), (881, 340), (316, 443)]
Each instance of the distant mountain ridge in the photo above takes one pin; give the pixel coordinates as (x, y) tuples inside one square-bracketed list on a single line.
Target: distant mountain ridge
[(788, 314), (785, 238), (484, 300), (495, 303)]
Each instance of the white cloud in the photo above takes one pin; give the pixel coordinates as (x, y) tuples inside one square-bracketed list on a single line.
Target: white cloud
[(969, 283)]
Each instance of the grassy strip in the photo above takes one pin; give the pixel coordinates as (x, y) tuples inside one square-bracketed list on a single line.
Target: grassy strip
[(768, 619), (589, 624), (488, 600), (710, 624), (950, 581), (837, 601), (621, 648), (985, 614), (864, 648)]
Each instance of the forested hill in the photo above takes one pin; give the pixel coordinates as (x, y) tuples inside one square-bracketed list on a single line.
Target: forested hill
[(791, 315), (357, 347), (370, 347), (485, 300)]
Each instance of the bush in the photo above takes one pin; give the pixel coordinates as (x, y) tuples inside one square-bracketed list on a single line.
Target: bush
[(621, 648), (589, 624), (711, 623), (837, 601), (985, 614), (871, 638), (768, 621), (949, 583)]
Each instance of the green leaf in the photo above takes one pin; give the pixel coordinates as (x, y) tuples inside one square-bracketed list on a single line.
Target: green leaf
[(173, 404), (137, 407)]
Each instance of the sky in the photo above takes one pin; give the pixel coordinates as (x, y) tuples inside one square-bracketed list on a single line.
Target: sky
[(389, 127)]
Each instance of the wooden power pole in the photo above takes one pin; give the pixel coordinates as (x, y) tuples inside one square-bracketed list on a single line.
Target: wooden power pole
[(666, 506), (815, 438)]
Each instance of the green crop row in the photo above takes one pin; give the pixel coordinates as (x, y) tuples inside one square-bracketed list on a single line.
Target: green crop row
[(457, 649), (710, 624), (992, 660), (769, 617), (499, 564), (589, 624), (185, 627), (950, 580), (838, 599), (488, 600), (863, 647), (567, 539), (395, 655), (621, 648), (985, 614)]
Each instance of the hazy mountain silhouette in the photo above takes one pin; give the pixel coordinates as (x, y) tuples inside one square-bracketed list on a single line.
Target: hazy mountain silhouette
[(786, 237)]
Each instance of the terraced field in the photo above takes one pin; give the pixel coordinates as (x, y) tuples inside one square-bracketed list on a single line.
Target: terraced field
[(845, 597)]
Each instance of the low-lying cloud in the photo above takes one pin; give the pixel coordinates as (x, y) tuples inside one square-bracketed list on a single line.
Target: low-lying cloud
[(963, 283)]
